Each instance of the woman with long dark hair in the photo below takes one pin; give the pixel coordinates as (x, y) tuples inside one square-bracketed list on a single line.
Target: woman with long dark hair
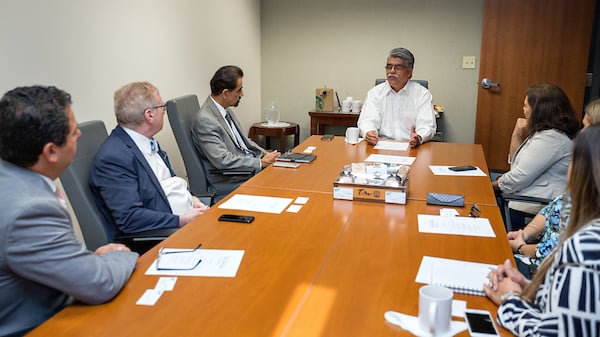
[(563, 298), (540, 149)]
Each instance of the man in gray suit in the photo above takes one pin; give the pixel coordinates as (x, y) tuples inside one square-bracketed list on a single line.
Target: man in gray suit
[(219, 139), (43, 267)]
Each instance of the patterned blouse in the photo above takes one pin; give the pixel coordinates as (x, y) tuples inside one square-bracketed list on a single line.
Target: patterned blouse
[(568, 300), (554, 212)]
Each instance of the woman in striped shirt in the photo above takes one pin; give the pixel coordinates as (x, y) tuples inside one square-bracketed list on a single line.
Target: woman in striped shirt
[(563, 298)]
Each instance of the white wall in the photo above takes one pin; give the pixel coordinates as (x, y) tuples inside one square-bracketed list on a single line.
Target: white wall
[(344, 45), (90, 48)]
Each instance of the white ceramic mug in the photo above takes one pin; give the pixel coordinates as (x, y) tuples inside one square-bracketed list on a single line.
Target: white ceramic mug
[(356, 106), (352, 134), (346, 106), (435, 309)]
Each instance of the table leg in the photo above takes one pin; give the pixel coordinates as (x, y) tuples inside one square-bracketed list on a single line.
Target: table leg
[(314, 126)]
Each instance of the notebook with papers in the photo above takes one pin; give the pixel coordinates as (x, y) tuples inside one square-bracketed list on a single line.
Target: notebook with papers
[(460, 276)]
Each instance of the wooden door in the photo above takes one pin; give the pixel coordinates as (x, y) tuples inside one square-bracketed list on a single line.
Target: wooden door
[(525, 42)]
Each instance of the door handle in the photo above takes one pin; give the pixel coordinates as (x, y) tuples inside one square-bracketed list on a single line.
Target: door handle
[(486, 84)]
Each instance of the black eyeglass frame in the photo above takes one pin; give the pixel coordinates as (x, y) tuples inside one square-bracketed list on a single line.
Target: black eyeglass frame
[(161, 252), (394, 67), (164, 107)]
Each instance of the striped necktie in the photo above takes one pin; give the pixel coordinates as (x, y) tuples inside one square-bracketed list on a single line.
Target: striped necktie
[(237, 136)]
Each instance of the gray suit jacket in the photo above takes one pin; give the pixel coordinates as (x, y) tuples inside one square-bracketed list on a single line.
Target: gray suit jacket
[(218, 150), (42, 263), (538, 169)]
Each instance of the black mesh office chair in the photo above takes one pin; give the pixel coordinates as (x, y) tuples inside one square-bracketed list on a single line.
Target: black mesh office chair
[(182, 111), (424, 83), (75, 180)]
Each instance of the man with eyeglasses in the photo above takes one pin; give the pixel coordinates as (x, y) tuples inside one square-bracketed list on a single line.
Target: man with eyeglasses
[(132, 180), (219, 139), (398, 108)]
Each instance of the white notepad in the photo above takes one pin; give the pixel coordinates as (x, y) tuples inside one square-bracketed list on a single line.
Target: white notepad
[(460, 276)]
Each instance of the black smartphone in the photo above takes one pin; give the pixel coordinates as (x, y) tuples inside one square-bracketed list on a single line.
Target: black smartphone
[(480, 323), (236, 218), (462, 168), (327, 137)]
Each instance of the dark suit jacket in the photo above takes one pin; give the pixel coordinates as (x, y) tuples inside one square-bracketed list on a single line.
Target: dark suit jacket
[(218, 150), (125, 189)]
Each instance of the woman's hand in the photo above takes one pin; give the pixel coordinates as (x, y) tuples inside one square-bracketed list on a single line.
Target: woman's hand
[(504, 279), (516, 239)]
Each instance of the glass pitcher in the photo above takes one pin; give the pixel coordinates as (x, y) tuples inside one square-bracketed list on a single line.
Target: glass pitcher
[(272, 113)]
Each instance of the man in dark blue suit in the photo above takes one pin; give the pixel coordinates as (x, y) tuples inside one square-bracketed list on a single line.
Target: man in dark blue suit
[(133, 183)]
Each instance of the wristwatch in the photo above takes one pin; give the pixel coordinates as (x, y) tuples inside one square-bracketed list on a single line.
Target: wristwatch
[(420, 139)]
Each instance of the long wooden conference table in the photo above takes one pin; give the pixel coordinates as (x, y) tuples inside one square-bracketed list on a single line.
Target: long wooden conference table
[(332, 269)]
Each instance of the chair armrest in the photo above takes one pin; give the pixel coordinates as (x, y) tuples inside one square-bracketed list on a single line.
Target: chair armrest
[(205, 197), (233, 172), (521, 198), (151, 235)]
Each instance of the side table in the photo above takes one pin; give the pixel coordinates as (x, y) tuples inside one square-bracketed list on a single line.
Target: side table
[(282, 130), (318, 120)]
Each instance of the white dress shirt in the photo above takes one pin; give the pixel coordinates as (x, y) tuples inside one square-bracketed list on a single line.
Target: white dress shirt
[(394, 114), (237, 136), (175, 188)]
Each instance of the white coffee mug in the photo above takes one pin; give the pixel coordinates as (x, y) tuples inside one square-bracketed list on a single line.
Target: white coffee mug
[(356, 106), (352, 134), (435, 309), (346, 106)]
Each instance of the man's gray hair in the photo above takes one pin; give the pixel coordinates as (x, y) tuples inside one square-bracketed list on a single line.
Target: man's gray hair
[(404, 54)]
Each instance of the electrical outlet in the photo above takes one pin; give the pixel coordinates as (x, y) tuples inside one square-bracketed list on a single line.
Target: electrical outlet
[(468, 62)]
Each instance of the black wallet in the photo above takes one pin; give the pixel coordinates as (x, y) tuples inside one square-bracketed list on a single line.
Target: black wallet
[(444, 199)]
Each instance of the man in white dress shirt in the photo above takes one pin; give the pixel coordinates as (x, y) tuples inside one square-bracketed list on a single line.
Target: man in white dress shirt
[(398, 108)]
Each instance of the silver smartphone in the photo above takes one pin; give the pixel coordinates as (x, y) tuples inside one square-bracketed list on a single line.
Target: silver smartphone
[(480, 323)]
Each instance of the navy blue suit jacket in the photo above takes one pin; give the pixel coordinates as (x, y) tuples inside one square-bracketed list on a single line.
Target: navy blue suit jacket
[(125, 189)]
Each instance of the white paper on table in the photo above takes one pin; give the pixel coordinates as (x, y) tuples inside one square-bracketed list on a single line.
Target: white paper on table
[(439, 170), (165, 283), (149, 297), (215, 263), (458, 225), (301, 200), (382, 158), (294, 208), (179, 259), (448, 212), (309, 149), (458, 308), (256, 203), (388, 145), (353, 143)]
